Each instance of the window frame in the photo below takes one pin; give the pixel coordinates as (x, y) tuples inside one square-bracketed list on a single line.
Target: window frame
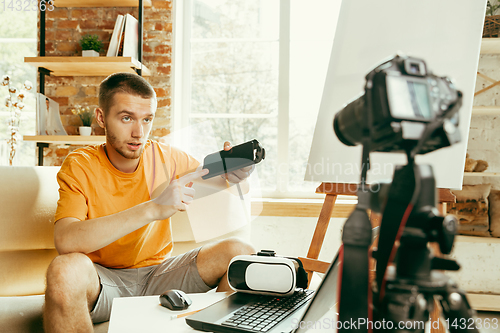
[(181, 90)]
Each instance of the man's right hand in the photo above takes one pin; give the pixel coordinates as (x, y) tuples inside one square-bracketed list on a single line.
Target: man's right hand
[(177, 195)]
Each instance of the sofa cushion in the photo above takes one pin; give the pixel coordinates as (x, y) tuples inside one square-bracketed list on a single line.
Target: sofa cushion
[(23, 272), (28, 199)]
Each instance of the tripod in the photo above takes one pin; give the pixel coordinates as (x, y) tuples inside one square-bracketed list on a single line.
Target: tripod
[(406, 294), (403, 295)]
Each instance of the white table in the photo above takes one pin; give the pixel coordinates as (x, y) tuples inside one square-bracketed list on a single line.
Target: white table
[(145, 314)]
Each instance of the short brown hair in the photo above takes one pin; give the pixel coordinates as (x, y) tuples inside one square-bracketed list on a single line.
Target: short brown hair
[(128, 83)]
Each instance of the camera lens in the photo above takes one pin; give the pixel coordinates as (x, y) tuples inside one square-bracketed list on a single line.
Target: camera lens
[(347, 123)]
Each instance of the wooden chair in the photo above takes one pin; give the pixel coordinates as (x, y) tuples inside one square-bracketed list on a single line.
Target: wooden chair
[(333, 190)]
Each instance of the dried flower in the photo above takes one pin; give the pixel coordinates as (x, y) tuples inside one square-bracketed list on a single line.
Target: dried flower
[(28, 85), (85, 114), (15, 106), (5, 80)]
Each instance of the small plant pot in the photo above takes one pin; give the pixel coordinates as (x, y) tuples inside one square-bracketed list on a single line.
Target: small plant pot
[(90, 53), (85, 130)]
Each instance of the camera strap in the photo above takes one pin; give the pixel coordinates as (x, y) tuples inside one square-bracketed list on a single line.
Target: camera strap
[(354, 285), (397, 210)]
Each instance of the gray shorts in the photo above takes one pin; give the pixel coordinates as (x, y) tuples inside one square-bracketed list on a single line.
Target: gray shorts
[(179, 272)]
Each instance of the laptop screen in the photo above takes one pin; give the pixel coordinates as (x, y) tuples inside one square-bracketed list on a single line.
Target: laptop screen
[(324, 300)]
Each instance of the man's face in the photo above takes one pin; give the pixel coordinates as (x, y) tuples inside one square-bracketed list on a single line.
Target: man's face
[(128, 124)]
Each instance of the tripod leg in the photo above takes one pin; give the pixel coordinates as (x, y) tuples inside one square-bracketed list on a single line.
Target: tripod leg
[(458, 313), (437, 325)]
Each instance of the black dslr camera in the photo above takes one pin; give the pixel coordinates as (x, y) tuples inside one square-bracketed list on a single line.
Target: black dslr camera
[(404, 108), (401, 99)]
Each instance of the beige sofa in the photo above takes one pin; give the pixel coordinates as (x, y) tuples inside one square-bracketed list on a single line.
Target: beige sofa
[(28, 198)]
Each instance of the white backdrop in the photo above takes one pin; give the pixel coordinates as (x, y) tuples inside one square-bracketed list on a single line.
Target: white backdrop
[(445, 33)]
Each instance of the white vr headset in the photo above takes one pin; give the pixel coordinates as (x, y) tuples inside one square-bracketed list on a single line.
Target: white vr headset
[(266, 274)]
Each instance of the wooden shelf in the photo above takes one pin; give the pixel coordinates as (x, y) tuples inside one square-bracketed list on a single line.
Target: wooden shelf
[(486, 110), (87, 66), (476, 239), (100, 3), (67, 139), (490, 46), (484, 302), (481, 174)]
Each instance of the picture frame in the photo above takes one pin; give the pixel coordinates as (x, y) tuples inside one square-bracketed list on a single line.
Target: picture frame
[(48, 119)]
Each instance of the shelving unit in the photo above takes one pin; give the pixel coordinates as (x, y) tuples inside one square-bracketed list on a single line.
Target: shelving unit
[(476, 239), (485, 110), (481, 174), (99, 3), (84, 66), (67, 139), (484, 301), (81, 66)]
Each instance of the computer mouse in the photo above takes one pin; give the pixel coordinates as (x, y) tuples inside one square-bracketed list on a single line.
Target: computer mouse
[(175, 300)]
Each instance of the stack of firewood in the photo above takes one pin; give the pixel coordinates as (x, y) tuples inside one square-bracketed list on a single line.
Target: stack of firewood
[(471, 209)]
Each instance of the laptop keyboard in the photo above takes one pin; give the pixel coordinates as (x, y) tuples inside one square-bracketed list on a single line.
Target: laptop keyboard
[(263, 315)]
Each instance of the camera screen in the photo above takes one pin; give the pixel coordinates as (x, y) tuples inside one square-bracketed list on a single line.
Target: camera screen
[(408, 98)]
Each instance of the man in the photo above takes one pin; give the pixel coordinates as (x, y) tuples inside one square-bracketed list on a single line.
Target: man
[(112, 227)]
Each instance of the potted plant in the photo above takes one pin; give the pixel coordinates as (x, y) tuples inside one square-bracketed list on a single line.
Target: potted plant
[(86, 116), (492, 20), (91, 45)]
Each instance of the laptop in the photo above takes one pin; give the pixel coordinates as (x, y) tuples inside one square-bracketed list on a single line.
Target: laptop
[(241, 312)]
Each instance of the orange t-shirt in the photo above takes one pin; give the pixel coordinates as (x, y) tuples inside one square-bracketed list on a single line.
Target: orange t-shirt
[(91, 187)]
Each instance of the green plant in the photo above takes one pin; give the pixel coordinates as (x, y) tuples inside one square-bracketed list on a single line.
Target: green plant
[(491, 9), (91, 42), (85, 114)]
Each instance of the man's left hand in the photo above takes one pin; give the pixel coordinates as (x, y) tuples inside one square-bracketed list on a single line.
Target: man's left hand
[(237, 175)]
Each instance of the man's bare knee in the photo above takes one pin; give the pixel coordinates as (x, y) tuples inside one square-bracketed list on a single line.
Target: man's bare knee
[(71, 276), (217, 255), (234, 246)]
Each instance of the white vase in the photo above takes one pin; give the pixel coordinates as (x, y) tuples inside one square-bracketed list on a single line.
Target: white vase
[(85, 130), (90, 53)]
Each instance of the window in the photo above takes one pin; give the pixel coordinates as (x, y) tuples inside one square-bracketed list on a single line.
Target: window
[(18, 34), (255, 69)]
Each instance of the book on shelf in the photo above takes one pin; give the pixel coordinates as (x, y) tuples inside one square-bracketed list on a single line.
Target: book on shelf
[(131, 37), (115, 40), (48, 119), (125, 38)]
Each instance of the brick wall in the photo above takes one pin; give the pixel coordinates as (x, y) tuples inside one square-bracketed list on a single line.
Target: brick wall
[(484, 135), (65, 27)]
